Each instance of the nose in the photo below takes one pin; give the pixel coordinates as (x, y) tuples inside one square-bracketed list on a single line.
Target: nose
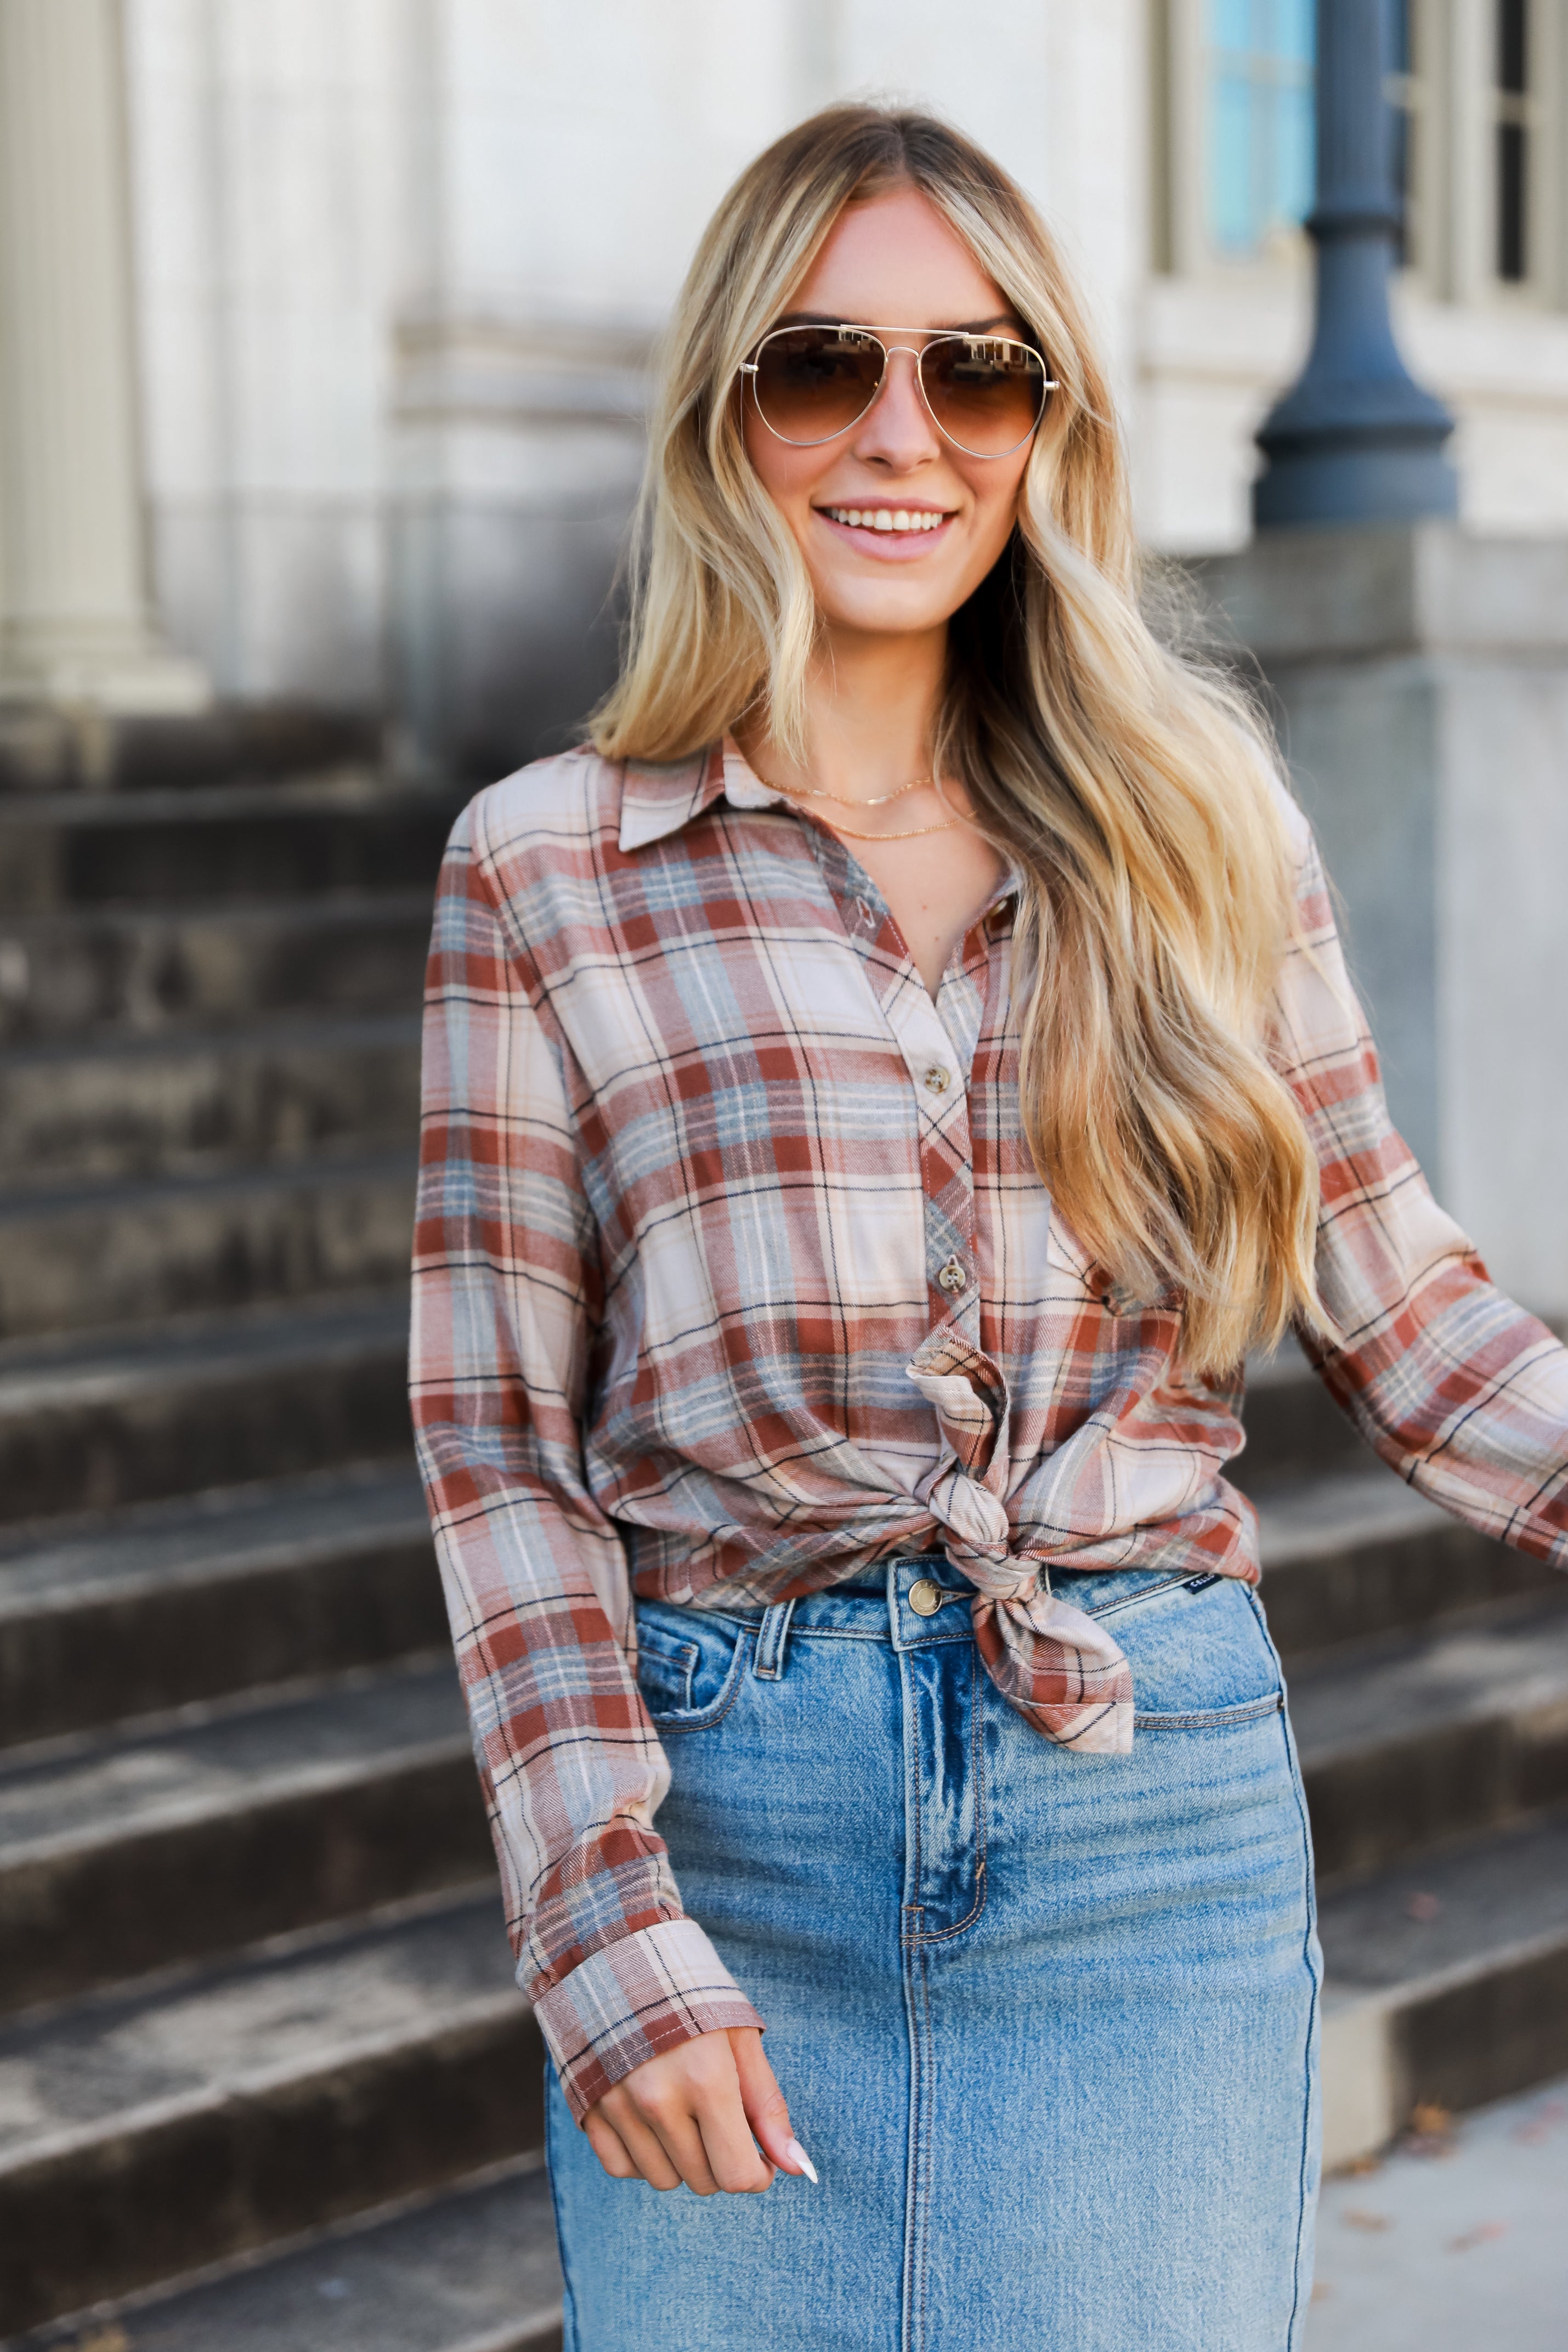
[(897, 430)]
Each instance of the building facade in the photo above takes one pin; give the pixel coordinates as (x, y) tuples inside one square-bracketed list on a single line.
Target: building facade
[(395, 267)]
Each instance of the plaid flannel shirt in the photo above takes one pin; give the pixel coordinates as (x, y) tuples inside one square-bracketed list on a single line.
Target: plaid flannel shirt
[(732, 1277)]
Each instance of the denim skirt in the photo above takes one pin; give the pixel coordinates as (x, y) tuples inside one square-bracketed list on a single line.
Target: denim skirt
[(1046, 2023)]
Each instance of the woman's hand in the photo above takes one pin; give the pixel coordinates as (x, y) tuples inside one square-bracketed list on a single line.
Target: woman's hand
[(695, 2115)]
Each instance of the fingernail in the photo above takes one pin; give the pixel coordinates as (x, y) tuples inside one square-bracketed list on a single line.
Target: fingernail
[(796, 2154)]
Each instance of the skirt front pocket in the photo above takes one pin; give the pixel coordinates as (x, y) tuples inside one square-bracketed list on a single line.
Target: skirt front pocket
[(688, 1664), (1199, 1651)]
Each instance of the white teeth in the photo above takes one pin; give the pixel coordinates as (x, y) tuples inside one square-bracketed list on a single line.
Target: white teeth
[(886, 517)]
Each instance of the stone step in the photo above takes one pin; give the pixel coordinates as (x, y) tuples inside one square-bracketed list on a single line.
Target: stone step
[(90, 751), (87, 1425), (348, 832), (181, 2121), (148, 971), (1447, 1983), (1459, 1730), (169, 1604), (201, 1833), (140, 1107), (1294, 1429), (472, 2269), (98, 1255), (1355, 1554)]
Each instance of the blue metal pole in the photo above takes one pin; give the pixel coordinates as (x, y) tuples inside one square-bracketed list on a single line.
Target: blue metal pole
[(1355, 440)]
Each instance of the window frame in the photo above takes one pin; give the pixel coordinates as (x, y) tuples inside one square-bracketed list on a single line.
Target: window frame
[(1455, 189), (1182, 245)]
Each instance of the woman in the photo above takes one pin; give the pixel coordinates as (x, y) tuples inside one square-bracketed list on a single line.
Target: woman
[(874, 1096)]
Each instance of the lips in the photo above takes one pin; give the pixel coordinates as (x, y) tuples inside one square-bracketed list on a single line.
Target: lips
[(892, 534)]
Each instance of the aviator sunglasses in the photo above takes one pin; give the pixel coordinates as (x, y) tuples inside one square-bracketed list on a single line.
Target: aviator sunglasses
[(985, 392)]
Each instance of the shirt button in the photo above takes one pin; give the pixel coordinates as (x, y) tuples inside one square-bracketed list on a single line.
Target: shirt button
[(937, 1080), (952, 1277)]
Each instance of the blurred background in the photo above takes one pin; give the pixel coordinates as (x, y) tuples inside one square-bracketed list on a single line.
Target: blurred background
[(393, 269), (324, 331)]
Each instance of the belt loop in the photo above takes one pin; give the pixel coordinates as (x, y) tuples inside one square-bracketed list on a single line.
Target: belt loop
[(772, 1636)]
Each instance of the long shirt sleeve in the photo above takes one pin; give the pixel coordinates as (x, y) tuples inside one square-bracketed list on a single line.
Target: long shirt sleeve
[(506, 1302), (1459, 1389)]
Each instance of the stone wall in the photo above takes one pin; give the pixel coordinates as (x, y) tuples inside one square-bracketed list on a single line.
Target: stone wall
[(1421, 681), (398, 263)]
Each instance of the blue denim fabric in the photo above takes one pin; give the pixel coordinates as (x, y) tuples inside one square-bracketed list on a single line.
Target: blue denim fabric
[(1046, 2023)]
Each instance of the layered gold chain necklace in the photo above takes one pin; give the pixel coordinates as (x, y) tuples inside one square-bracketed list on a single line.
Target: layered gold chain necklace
[(843, 799)]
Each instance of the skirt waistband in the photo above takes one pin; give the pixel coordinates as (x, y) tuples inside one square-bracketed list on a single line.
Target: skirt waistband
[(913, 1601)]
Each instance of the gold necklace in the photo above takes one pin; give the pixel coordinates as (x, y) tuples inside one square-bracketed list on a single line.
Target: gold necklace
[(834, 824), (910, 832), (847, 800)]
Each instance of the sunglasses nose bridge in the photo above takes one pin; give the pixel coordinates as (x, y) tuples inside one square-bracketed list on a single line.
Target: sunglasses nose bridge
[(889, 352)]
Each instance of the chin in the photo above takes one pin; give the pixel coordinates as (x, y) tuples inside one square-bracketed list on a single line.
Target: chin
[(885, 615)]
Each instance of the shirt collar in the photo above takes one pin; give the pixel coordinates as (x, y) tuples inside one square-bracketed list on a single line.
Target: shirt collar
[(656, 801)]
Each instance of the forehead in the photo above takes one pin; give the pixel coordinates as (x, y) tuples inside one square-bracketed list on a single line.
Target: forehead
[(895, 259)]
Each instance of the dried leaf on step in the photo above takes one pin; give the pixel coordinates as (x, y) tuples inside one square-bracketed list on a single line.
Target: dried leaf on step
[(1485, 2233)]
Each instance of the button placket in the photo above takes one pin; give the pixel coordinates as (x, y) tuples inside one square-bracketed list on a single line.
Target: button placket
[(937, 1048)]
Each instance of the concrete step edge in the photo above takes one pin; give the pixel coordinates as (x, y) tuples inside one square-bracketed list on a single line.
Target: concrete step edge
[(528, 2336), (99, 1367), (191, 1835), (234, 1536), (1367, 1503), (266, 1033), (1447, 1978), (349, 792), (1512, 1679), (162, 1611), (260, 2083), (1428, 1983), (1364, 2103), (284, 1785), (115, 1196), (535, 2326), (206, 2113)]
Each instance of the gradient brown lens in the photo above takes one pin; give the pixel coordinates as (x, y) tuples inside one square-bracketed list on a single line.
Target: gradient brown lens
[(813, 382), (986, 393)]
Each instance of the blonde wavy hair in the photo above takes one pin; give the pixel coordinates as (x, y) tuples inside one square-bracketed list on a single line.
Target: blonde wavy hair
[(1134, 792)]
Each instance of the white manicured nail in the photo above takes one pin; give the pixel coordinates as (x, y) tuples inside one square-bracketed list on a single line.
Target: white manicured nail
[(796, 2154)]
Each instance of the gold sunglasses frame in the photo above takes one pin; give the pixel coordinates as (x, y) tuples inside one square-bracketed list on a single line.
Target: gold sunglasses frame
[(1049, 383)]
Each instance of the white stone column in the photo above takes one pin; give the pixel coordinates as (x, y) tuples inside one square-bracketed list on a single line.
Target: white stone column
[(75, 622)]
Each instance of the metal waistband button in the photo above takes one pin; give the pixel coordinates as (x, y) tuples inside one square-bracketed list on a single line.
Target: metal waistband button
[(926, 1598)]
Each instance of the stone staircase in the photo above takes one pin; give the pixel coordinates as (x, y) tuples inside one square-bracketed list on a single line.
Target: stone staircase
[(265, 2078), (1429, 1674), (251, 1973)]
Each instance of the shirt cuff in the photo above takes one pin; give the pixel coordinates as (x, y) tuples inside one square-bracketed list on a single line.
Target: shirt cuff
[(634, 2000)]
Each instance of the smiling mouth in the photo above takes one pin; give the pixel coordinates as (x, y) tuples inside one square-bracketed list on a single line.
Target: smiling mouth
[(886, 518)]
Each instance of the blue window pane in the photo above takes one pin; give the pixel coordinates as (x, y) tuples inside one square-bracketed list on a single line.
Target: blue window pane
[(1233, 208), (1260, 121), (1295, 159), (1295, 23)]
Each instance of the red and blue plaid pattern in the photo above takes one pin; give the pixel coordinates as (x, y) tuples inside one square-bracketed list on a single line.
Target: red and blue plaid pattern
[(732, 1277)]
